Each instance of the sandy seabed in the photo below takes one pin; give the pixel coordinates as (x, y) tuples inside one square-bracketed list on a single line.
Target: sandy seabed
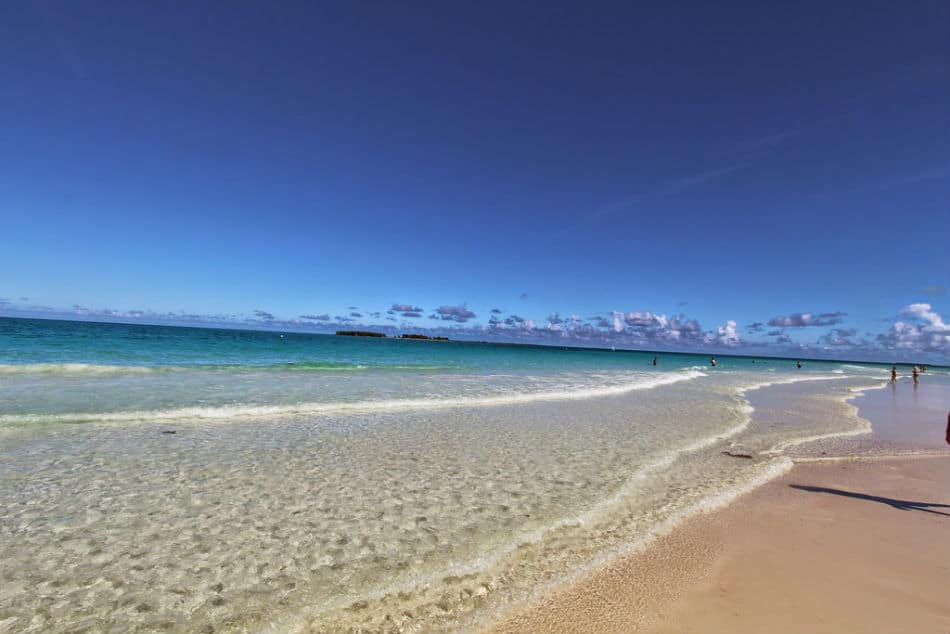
[(854, 545)]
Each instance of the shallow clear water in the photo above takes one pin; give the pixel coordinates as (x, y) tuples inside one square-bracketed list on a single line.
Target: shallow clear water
[(372, 484)]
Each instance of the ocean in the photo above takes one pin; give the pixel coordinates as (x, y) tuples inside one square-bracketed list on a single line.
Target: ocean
[(166, 478)]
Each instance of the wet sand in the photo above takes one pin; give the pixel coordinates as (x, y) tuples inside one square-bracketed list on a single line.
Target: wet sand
[(859, 545)]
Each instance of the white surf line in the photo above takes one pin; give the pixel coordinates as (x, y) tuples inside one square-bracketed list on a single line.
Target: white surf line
[(789, 381), (774, 468), (909, 454), (77, 369), (863, 425), (903, 454), (749, 409), (492, 559), (250, 411)]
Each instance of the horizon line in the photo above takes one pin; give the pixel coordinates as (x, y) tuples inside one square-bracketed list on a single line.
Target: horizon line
[(257, 328)]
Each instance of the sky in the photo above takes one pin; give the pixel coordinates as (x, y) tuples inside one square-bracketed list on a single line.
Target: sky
[(738, 176)]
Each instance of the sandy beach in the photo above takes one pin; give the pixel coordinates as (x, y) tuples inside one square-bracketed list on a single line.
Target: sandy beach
[(855, 545)]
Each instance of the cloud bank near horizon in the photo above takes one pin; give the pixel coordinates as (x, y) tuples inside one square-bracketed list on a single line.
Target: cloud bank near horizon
[(919, 333)]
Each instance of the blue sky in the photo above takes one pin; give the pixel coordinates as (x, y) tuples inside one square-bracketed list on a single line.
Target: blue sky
[(654, 176)]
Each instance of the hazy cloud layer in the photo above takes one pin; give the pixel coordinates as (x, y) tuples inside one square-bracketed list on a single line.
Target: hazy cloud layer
[(632, 329), (838, 337), (646, 327), (800, 320), (459, 314), (917, 333), (920, 328)]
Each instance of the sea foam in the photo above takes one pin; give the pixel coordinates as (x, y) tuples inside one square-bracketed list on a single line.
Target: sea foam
[(231, 412)]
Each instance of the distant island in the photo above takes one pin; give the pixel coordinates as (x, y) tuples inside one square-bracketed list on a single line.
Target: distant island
[(359, 333), (370, 333)]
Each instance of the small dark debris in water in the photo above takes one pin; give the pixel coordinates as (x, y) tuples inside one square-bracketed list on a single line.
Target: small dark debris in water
[(735, 454), (169, 431)]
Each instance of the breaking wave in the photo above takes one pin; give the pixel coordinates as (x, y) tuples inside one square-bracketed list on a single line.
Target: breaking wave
[(314, 408)]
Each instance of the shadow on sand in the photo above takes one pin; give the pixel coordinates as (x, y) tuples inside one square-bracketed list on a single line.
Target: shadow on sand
[(903, 505)]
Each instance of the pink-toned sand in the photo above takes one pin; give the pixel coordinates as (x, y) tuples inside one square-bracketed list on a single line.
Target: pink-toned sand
[(866, 549)]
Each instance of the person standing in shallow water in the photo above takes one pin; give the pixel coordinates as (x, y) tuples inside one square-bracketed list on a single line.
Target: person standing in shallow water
[(798, 364), (712, 362), (916, 376), (893, 374), (654, 360)]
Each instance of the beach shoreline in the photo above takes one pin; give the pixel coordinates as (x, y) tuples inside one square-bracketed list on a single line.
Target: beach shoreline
[(855, 544), (320, 484)]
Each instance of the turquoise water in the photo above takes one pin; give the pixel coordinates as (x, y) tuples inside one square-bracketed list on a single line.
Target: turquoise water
[(156, 478), (33, 341), (74, 372)]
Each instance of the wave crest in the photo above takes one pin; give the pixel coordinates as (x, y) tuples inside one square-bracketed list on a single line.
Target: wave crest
[(93, 369), (76, 369), (392, 405)]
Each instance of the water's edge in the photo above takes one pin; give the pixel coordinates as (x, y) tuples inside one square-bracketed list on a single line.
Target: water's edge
[(775, 467)]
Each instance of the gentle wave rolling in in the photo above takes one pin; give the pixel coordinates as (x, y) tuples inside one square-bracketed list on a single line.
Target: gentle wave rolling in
[(316, 408)]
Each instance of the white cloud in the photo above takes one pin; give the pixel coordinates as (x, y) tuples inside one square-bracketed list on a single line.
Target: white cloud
[(727, 335), (618, 322), (801, 320), (924, 330), (459, 314)]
